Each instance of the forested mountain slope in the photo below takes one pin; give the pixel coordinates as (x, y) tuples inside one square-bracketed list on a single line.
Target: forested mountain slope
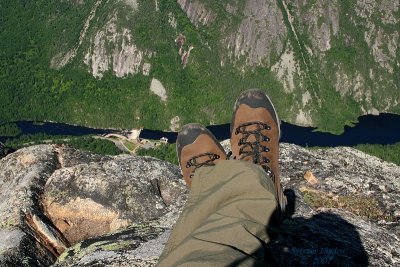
[(163, 63)]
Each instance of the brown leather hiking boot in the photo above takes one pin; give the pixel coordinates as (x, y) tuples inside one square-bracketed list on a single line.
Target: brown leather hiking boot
[(255, 133), (196, 147)]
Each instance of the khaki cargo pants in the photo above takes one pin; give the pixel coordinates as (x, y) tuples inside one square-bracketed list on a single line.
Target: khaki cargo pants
[(228, 218)]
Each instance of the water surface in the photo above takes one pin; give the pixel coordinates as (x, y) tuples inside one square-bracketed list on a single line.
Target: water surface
[(383, 129)]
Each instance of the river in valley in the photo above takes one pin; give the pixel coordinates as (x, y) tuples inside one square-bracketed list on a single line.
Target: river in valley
[(382, 129)]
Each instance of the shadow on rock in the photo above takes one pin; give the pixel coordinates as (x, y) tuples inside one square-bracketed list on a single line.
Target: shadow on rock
[(325, 239), (4, 150)]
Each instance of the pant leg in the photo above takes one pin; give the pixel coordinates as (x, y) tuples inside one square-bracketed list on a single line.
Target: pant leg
[(227, 218)]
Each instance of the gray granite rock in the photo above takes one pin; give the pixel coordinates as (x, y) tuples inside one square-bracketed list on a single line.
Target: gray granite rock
[(135, 246), (26, 239), (99, 195), (118, 211), (54, 196)]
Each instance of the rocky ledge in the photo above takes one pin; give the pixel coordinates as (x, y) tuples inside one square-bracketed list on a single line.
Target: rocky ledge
[(64, 207)]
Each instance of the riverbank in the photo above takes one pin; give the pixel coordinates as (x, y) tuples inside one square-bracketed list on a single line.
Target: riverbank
[(379, 130)]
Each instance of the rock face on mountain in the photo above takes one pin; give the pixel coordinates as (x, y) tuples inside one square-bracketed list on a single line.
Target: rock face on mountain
[(305, 45), (73, 208), (137, 63), (308, 44), (260, 35), (111, 47), (197, 12), (328, 26)]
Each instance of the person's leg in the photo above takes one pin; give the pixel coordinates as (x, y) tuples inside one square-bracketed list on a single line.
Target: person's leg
[(231, 208), (227, 219)]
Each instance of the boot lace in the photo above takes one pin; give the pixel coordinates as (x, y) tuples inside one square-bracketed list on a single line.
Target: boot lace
[(256, 148), (208, 162)]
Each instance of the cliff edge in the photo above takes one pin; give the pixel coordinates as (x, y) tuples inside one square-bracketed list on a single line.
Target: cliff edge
[(64, 207)]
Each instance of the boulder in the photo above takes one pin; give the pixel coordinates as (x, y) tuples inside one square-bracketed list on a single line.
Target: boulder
[(88, 198), (55, 196), (27, 236)]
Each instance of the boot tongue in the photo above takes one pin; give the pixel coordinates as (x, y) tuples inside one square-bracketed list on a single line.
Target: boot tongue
[(252, 127), (250, 140), (253, 137)]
